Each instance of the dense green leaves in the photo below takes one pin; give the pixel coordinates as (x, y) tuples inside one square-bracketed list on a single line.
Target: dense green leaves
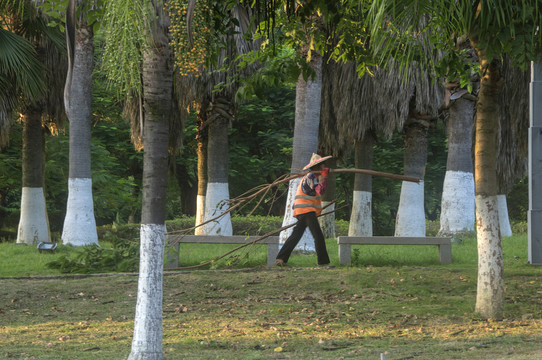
[(280, 66), (494, 26), (263, 155)]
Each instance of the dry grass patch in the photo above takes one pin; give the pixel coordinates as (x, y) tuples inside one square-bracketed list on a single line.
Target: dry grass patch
[(297, 313)]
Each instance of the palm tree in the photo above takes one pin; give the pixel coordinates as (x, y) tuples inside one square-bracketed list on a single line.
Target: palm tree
[(329, 143), (492, 33), (359, 112), (202, 165), (512, 149), (217, 192), (80, 224), (146, 41), (457, 214), (352, 113), (21, 80), (40, 111), (361, 219), (307, 120), (216, 113), (457, 205), (192, 96), (425, 100), (157, 79)]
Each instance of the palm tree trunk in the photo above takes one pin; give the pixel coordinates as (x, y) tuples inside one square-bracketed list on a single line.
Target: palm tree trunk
[(457, 206), (186, 187), (80, 223), (490, 289), (327, 222), (33, 224), (410, 219), (307, 121), (202, 141), (157, 87), (217, 181), (361, 219), (504, 219)]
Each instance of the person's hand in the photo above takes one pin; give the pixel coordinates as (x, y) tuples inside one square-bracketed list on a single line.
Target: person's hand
[(325, 172)]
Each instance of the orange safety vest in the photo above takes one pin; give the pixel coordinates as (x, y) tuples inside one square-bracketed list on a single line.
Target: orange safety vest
[(304, 203)]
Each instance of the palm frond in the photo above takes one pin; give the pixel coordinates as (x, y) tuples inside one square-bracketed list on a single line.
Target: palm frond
[(126, 34), (18, 62), (407, 31)]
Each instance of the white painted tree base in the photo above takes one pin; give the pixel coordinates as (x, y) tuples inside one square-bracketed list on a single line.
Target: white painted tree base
[(410, 219), (504, 220), (361, 220), (80, 224), (307, 241), (33, 223), (457, 206), (200, 214), (490, 285), (148, 333), (215, 205), (327, 222)]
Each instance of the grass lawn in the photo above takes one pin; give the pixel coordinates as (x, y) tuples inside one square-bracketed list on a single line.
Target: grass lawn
[(399, 301)]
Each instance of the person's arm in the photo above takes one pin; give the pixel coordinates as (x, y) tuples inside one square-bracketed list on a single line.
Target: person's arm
[(321, 187)]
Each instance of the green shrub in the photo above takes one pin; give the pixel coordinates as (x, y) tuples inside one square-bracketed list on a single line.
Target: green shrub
[(432, 227), (341, 227), (250, 225), (123, 256), (241, 225), (116, 232), (255, 225), (519, 227), (182, 223)]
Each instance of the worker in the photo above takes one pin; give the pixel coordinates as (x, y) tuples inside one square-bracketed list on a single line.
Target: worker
[(307, 207)]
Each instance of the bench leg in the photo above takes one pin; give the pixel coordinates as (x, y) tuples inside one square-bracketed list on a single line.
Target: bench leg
[(445, 254), (172, 256), (272, 252), (344, 254)]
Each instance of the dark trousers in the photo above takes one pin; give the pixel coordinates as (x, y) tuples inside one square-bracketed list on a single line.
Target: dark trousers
[(304, 220)]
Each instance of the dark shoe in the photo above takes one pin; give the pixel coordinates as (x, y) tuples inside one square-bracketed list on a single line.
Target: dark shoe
[(326, 266), (280, 263)]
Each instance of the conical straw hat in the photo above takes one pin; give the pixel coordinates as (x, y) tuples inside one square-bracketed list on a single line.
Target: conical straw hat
[(315, 160)]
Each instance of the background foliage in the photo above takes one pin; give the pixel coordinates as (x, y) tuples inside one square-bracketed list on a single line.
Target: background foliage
[(260, 151)]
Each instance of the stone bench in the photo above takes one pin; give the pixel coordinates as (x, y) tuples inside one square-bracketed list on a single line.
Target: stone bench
[(172, 251), (345, 243)]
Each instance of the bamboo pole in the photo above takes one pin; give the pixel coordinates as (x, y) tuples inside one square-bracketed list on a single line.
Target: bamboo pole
[(375, 173)]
